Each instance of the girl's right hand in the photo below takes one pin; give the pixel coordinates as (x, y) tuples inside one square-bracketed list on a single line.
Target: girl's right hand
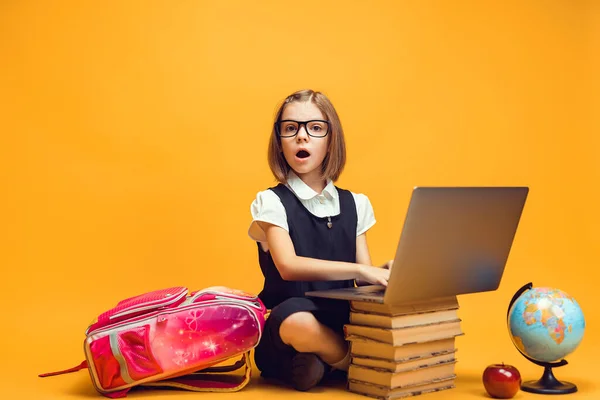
[(374, 275)]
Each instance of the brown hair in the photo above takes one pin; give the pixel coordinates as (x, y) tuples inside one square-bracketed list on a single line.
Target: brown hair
[(334, 161)]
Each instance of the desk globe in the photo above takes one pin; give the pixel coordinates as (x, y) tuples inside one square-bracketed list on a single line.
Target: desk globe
[(545, 325)]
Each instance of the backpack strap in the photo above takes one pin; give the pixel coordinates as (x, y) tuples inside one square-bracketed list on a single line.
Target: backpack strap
[(81, 366), (208, 380), (205, 380)]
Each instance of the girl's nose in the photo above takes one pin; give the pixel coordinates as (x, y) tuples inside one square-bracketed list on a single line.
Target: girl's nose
[(302, 134)]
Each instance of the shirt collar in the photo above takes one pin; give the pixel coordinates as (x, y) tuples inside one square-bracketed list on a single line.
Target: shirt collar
[(305, 192)]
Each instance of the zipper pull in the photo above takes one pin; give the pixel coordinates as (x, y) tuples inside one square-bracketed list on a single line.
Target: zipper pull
[(329, 224)]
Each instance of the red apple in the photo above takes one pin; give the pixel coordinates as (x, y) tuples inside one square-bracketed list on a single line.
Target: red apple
[(501, 381)]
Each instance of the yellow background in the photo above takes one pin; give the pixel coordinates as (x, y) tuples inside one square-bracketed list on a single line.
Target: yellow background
[(134, 139)]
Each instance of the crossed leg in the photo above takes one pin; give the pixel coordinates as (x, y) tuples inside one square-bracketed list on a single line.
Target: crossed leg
[(306, 334)]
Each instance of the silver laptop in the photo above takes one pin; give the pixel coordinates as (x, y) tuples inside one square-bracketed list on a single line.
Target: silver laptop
[(455, 240)]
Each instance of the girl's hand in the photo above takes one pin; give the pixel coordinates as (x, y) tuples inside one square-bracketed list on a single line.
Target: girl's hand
[(388, 265), (374, 275)]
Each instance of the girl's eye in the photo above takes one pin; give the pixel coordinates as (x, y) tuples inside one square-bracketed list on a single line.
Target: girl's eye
[(317, 127), (290, 128)]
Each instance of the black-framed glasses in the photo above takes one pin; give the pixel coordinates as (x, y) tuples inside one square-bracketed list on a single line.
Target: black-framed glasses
[(288, 128)]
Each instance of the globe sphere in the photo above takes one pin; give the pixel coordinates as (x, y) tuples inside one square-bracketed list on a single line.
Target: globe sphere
[(546, 324)]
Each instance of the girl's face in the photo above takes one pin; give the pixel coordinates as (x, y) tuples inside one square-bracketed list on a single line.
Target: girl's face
[(304, 153)]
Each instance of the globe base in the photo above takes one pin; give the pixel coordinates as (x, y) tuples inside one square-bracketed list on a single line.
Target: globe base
[(548, 384)]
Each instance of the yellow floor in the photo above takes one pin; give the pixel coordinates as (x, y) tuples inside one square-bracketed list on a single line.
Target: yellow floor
[(78, 386)]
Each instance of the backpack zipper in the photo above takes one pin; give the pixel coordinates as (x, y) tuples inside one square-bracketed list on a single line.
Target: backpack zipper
[(133, 310)]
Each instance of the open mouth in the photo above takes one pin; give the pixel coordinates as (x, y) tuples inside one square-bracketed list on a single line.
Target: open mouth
[(302, 154)]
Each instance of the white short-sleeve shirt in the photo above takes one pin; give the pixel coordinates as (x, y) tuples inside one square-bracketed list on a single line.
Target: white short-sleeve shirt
[(267, 207)]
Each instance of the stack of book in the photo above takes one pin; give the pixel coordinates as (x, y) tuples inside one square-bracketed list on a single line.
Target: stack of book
[(402, 350)]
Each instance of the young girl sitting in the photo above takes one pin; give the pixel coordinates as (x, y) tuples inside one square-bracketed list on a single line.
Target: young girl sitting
[(310, 236)]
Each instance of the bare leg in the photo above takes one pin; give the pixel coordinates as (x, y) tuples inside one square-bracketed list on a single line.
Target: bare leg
[(304, 333)]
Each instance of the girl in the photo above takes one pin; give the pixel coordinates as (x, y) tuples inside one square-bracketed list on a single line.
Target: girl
[(310, 236)]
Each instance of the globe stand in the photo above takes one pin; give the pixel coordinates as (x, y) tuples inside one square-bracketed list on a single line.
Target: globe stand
[(547, 384)]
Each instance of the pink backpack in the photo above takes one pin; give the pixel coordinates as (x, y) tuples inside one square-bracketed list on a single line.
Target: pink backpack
[(171, 338)]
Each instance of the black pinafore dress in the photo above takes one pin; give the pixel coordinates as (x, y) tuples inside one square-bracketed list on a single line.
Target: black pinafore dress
[(312, 237)]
